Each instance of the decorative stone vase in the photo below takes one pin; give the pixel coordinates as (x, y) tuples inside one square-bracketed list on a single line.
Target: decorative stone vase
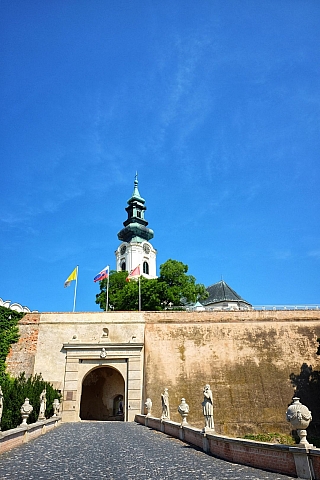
[(148, 405), (183, 409), (25, 410), (56, 407), (299, 417)]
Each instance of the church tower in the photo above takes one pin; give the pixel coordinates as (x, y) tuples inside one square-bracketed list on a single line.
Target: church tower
[(135, 248)]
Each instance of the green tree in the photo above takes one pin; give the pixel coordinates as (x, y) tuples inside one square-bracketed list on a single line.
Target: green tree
[(117, 284), (173, 286), (9, 333), (179, 288)]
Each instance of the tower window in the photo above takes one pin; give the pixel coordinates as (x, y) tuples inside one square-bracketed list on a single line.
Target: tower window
[(123, 266), (138, 214), (146, 268)]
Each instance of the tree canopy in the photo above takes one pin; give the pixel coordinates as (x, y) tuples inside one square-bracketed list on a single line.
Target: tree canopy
[(174, 287)]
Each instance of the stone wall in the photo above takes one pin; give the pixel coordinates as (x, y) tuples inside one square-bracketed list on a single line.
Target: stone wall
[(22, 354), (253, 361)]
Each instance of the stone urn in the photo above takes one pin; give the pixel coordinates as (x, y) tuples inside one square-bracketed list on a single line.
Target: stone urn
[(56, 407), (148, 405), (183, 409), (299, 417), (25, 410)]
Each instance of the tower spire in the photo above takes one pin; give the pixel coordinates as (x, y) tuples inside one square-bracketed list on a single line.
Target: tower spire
[(135, 227), (135, 235)]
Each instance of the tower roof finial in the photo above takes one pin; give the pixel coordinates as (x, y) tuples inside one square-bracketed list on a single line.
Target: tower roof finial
[(136, 193)]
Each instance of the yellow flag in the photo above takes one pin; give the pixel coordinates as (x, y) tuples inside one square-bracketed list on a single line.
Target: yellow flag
[(72, 276)]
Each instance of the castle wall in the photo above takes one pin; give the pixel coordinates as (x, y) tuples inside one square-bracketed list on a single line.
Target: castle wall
[(253, 360), (22, 354)]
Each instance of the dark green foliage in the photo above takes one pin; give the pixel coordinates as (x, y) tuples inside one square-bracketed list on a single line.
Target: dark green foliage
[(178, 287), (16, 390), (173, 287), (9, 334)]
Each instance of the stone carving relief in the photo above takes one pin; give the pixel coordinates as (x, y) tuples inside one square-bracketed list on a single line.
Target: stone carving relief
[(105, 334), (103, 353)]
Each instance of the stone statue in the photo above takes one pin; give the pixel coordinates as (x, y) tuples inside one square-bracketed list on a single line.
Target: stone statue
[(1, 405), (56, 407), (165, 405), (43, 405), (148, 405), (299, 416), (207, 405), (183, 409), (25, 411)]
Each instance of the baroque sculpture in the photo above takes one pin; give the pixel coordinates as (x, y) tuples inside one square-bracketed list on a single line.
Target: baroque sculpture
[(43, 405), (1, 405), (183, 409), (25, 411), (56, 407), (299, 416), (148, 405), (165, 405), (207, 405)]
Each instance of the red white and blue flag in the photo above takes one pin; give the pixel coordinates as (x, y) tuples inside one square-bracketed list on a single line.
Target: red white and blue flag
[(101, 275), (134, 274)]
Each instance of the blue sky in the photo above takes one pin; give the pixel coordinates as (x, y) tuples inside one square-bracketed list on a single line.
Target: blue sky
[(215, 103)]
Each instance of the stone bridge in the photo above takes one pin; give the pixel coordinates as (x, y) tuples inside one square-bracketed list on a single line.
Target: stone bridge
[(117, 450)]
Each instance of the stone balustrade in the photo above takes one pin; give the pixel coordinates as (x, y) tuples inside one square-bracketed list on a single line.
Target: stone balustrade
[(24, 433), (288, 460)]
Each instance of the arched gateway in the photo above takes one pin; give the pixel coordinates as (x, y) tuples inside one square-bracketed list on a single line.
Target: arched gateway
[(103, 380), (102, 396)]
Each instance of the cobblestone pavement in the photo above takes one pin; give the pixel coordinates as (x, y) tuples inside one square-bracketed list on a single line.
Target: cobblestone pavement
[(117, 450)]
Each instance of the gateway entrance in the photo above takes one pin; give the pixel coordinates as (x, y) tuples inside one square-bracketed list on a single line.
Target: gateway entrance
[(102, 396)]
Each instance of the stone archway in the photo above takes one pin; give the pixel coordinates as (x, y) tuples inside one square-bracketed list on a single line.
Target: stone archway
[(103, 393)]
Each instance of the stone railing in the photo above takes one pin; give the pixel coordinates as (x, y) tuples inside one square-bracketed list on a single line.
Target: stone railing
[(286, 307), (24, 433), (230, 308), (297, 461)]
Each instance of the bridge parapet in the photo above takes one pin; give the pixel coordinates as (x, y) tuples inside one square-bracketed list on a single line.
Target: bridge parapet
[(24, 433), (284, 459)]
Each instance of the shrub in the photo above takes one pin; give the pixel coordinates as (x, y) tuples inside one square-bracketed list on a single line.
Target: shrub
[(16, 390)]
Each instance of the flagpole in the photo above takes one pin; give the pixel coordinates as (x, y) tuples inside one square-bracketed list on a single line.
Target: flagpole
[(75, 291), (107, 290), (139, 295)]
